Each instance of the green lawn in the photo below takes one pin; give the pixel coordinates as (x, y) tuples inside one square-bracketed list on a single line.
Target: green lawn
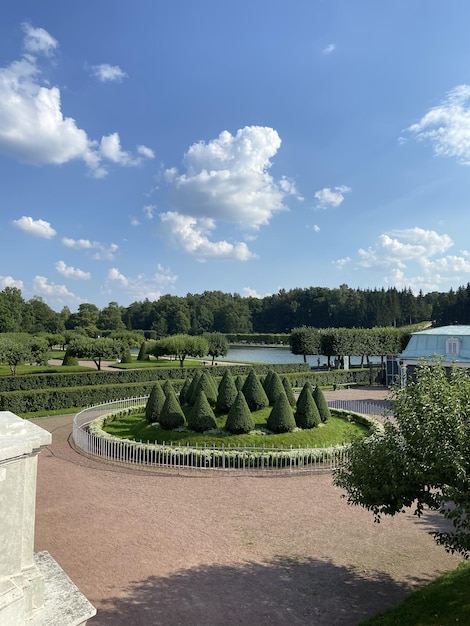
[(336, 431), (443, 602)]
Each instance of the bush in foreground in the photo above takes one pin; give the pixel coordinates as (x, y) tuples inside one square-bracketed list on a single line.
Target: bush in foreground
[(172, 415), (154, 405), (307, 414), (239, 419), (281, 418), (201, 417)]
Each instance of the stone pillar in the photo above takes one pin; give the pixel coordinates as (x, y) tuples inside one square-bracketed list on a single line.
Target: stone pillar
[(30, 594)]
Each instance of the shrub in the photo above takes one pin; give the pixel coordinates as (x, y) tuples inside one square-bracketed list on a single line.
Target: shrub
[(184, 391), (127, 356), (201, 416), (239, 382), (167, 388), (289, 392), (69, 360), (254, 393), (274, 388), (226, 394), (206, 384), (281, 418), (192, 386), (307, 414), (143, 356), (321, 403), (154, 405), (267, 381), (239, 419), (172, 415)]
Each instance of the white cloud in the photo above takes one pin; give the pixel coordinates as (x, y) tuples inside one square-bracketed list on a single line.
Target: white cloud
[(149, 210), (33, 128), (316, 228), (71, 272), (58, 294), (447, 126), (251, 293), (228, 179), (190, 234), (9, 281), (141, 286), (38, 40), (108, 73), (103, 251), (146, 152), (340, 263), (331, 197), (329, 48), (38, 228)]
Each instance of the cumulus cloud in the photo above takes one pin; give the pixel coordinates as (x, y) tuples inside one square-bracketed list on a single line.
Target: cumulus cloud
[(71, 272), (141, 286), (38, 228), (330, 197), (103, 251), (447, 126), (329, 48), (251, 293), (191, 234), (9, 281), (110, 148), (33, 128), (108, 73), (58, 294), (149, 211), (340, 263)]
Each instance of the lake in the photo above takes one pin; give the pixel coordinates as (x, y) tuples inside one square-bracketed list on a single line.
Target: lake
[(278, 354)]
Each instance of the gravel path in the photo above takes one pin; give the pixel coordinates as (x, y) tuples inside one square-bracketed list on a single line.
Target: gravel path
[(167, 549)]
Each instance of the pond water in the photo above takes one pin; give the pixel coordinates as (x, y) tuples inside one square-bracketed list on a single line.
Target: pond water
[(278, 354)]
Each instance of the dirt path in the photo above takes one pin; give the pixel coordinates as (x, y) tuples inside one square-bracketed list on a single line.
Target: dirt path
[(164, 549)]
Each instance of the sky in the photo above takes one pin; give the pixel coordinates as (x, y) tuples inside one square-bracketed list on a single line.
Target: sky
[(174, 147)]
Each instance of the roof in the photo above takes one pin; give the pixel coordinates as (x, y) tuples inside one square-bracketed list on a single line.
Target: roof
[(449, 343)]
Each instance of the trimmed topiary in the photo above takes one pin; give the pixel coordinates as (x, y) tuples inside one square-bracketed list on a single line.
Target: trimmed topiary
[(274, 388), (172, 415), (206, 384), (154, 405), (168, 387), (306, 414), (201, 416), (192, 387), (289, 392), (239, 419), (322, 404), (254, 393), (143, 356), (267, 381), (127, 356), (239, 382), (184, 391), (281, 419), (227, 393), (69, 360)]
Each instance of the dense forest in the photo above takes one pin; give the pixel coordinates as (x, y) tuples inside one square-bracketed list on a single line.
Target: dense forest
[(216, 311)]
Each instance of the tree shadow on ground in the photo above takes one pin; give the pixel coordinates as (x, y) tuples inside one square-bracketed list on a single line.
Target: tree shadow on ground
[(279, 592)]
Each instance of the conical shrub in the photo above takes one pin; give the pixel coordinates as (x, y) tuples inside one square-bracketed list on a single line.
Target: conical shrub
[(227, 393), (239, 419), (127, 356), (168, 387), (322, 404), (239, 382), (201, 417), (206, 384), (154, 405), (274, 388), (192, 386), (289, 392), (306, 414), (267, 381), (281, 418), (172, 415), (184, 391), (143, 356), (69, 360), (254, 393)]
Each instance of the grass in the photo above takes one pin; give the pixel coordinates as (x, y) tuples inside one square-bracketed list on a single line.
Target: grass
[(337, 430), (155, 363), (443, 602)]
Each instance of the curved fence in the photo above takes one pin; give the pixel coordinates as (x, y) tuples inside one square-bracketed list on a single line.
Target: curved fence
[(202, 457)]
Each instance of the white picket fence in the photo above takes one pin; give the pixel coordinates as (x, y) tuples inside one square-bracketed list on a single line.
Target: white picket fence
[(361, 406), (203, 457)]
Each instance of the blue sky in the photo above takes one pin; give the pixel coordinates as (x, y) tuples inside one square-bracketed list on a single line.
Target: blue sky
[(176, 147)]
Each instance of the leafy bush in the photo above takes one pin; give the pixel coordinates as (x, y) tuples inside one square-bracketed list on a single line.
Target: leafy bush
[(201, 417), (184, 391), (254, 393), (206, 384), (239, 419), (321, 403), (154, 405), (307, 414), (274, 388), (143, 356), (172, 415), (69, 360), (281, 418), (289, 392), (226, 394)]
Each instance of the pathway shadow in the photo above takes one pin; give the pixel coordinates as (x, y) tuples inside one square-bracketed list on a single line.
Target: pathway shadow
[(276, 593)]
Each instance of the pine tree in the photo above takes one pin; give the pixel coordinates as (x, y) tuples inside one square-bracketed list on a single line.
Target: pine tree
[(227, 393), (321, 403), (143, 356), (281, 418), (289, 392), (254, 393), (154, 405), (306, 414), (239, 419), (172, 415), (201, 416)]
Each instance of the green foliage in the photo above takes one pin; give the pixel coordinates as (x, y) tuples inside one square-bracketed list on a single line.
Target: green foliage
[(183, 397), (181, 346), (239, 382), (19, 348), (69, 360), (217, 345), (167, 388), (281, 418), (267, 381), (304, 341), (97, 350), (172, 415), (321, 403), (227, 392), (307, 414), (274, 388), (143, 356), (239, 419), (127, 356), (289, 392), (201, 417), (154, 405), (254, 393), (422, 459), (206, 384)]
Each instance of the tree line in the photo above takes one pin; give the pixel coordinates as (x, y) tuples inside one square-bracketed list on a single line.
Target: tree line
[(216, 311)]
